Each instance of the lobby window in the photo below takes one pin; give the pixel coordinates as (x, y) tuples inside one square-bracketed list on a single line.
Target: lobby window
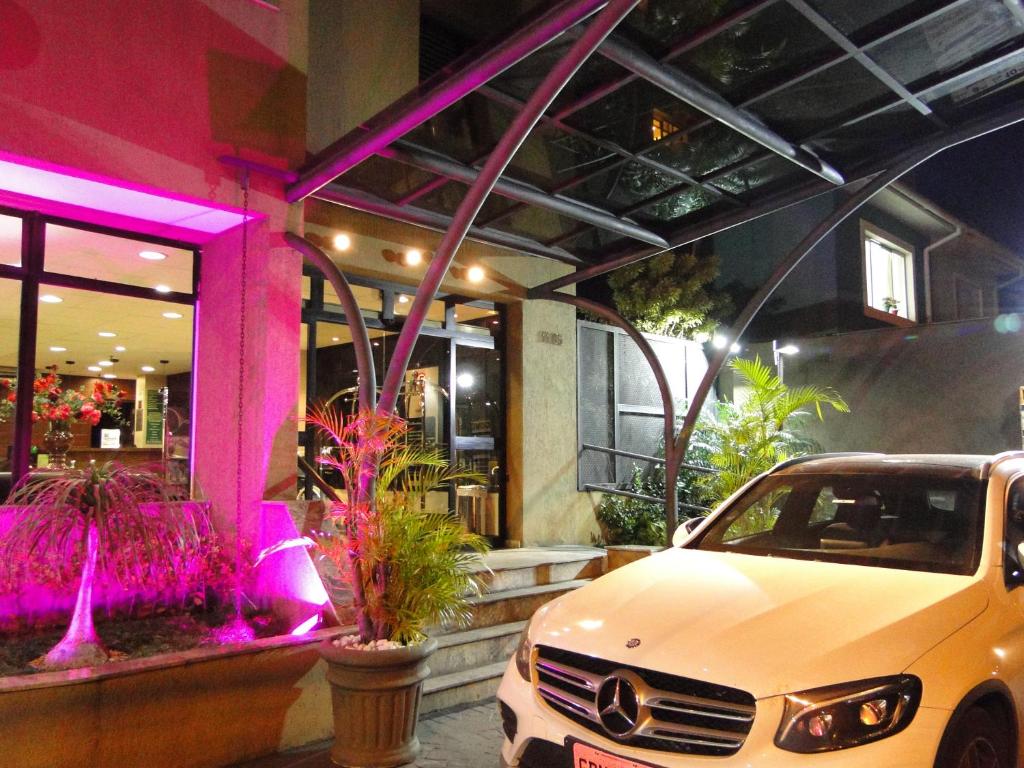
[(888, 274), (452, 395), (112, 310)]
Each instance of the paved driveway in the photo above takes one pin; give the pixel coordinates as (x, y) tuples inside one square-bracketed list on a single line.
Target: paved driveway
[(461, 738)]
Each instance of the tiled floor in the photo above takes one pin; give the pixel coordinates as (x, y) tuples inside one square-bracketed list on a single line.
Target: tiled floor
[(461, 738)]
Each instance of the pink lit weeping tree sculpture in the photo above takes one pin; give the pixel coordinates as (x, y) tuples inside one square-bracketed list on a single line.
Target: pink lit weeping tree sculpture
[(91, 524), (587, 42)]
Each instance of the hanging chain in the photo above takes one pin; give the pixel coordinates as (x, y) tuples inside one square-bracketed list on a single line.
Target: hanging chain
[(241, 381)]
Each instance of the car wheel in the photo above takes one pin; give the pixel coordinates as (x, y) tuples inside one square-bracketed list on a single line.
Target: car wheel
[(977, 742)]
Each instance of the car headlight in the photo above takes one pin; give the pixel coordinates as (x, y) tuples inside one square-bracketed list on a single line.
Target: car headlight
[(848, 715), (524, 653)]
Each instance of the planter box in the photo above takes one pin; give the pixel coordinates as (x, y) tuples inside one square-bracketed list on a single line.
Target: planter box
[(624, 554), (195, 709)]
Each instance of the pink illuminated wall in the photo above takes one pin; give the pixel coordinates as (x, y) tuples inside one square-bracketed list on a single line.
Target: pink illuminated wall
[(116, 113)]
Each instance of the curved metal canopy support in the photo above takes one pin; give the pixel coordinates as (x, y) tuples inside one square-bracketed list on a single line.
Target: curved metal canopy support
[(511, 140), (850, 206), (349, 305), (425, 102), (668, 406)]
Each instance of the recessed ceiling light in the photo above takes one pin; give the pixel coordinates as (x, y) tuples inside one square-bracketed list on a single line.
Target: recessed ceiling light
[(403, 299), (120, 349), (162, 288), (104, 363), (95, 368), (342, 242), (107, 334), (109, 375), (334, 338), (413, 257), (148, 369), (475, 274), (152, 255), (173, 315), (58, 349), (49, 298)]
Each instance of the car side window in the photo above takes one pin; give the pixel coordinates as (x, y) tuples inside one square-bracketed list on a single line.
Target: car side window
[(1014, 534), (824, 507)]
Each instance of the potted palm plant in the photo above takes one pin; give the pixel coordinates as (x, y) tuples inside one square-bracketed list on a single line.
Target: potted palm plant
[(408, 569), (94, 522)]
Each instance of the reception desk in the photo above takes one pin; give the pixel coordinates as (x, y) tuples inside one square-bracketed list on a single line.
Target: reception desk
[(130, 457)]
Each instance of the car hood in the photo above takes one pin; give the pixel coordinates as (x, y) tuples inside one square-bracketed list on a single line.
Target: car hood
[(766, 625)]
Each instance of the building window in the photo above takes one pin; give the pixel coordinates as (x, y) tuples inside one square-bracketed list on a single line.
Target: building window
[(661, 126), (111, 308), (888, 274)]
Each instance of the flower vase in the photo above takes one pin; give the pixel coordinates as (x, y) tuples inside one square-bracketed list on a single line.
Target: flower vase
[(58, 442)]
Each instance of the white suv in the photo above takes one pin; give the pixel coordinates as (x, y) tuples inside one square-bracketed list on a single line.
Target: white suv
[(847, 610)]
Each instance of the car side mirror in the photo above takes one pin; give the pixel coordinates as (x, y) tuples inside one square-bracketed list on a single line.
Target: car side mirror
[(685, 529)]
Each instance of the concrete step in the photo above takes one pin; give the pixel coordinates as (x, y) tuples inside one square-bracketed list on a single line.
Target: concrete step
[(475, 648), (519, 568), (464, 687), (495, 608)]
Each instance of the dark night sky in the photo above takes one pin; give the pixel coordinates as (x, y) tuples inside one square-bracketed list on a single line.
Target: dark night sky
[(982, 183)]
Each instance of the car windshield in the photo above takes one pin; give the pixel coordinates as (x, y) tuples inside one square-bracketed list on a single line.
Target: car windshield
[(903, 521)]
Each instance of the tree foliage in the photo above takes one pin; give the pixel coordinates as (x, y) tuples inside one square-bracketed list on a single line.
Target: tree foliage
[(670, 294)]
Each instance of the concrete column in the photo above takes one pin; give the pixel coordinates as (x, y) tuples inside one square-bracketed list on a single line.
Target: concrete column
[(544, 506), (270, 377)]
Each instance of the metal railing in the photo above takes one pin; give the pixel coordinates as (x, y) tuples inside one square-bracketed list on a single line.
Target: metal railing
[(610, 488)]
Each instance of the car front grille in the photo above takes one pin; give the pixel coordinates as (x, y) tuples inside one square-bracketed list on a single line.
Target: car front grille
[(675, 714)]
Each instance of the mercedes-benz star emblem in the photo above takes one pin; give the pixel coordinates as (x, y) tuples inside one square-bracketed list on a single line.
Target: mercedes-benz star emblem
[(633, 642), (618, 705)]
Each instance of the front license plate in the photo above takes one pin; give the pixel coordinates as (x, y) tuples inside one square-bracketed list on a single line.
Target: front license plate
[(586, 756)]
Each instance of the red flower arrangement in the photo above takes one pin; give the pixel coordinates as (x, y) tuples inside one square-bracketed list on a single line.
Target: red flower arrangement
[(53, 403)]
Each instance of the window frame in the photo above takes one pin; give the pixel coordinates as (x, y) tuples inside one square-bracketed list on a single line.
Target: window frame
[(32, 275), (871, 232)]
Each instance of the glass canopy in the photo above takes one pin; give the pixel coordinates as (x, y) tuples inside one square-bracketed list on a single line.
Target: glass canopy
[(628, 158)]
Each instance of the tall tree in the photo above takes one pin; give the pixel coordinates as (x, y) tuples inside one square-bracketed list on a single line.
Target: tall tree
[(670, 294)]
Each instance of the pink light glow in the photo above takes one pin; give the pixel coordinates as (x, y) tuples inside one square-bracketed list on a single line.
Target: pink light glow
[(73, 193), (307, 626)]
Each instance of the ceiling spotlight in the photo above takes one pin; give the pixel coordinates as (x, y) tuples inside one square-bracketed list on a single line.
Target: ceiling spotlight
[(95, 368), (335, 338), (376, 343), (162, 288), (105, 363), (120, 349), (342, 242), (475, 274), (107, 334), (413, 257), (49, 298), (148, 369), (58, 349), (109, 375), (403, 299), (788, 349), (152, 255), (173, 315)]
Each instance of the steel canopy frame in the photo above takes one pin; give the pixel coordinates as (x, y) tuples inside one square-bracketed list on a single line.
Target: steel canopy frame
[(511, 140), (404, 115)]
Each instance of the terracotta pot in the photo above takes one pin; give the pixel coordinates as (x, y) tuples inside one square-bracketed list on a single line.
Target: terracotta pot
[(376, 700)]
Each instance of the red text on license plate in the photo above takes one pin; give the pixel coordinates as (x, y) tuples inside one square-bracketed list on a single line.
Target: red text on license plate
[(584, 756)]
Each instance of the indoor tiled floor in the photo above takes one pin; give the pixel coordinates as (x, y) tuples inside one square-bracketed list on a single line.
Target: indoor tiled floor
[(462, 738)]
